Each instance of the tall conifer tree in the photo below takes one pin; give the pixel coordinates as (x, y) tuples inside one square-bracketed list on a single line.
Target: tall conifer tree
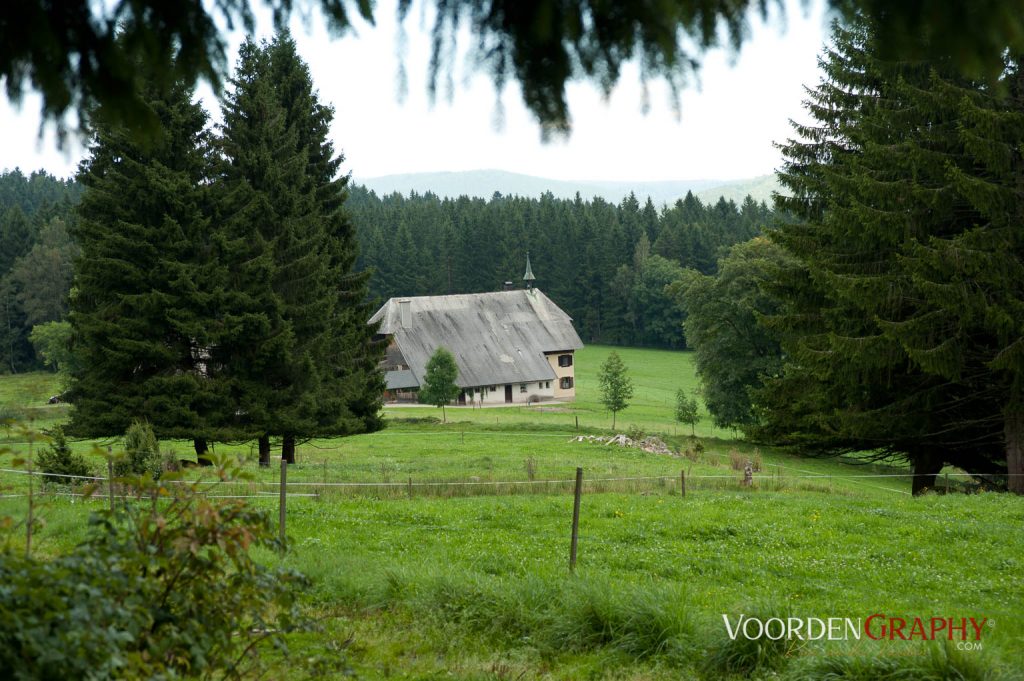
[(142, 312), (876, 361), (310, 366)]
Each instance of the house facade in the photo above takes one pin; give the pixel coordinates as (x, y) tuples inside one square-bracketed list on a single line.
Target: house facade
[(511, 347)]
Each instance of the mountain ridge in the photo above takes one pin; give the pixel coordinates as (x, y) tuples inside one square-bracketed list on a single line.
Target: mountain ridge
[(484, 183)]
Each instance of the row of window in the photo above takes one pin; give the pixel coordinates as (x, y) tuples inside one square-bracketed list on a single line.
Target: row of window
[(564, 383)]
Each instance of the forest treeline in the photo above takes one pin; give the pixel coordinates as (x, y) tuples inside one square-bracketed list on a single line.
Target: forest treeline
[(606, 265), (36, 254)]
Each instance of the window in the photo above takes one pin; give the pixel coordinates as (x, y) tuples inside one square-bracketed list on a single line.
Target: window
[(565, 360), (522, 387), (566, 383), (547, 384)]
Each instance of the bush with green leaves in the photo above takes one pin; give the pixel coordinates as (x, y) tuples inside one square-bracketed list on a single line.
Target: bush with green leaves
[(165, 586), (141, 452), (58, 461)]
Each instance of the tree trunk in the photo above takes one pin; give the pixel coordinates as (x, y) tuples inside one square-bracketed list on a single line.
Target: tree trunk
[(264, 444), (201, 449), (288, 448), (1013, 431), (926, 467), (444, 418), (613, 420)]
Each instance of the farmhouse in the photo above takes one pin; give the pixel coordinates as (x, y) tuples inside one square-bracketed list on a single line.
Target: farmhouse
[(511, 347)]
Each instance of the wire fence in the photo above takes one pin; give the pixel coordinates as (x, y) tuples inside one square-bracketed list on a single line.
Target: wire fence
[(783, 478)]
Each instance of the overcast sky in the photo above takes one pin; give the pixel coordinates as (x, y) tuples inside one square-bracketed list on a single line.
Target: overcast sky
[(726, 129)]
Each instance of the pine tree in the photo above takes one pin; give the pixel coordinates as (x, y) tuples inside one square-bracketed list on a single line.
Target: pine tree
[(141, 314), (304, 363), (870, 363)]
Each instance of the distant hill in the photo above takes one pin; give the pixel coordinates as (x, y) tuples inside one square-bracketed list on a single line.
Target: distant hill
[(484, 183)]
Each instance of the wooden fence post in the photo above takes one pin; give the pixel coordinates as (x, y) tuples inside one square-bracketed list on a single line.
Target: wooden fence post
[(110, 479), (577, 422), (284, 496), (410, 487), (575, 520), (682, 483)]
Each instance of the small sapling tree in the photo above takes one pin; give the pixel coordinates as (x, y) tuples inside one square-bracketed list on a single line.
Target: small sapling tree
[(439, 382), (687, 410), (616, 386)]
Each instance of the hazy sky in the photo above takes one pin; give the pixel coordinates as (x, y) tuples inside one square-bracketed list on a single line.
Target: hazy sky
[(726, 129)]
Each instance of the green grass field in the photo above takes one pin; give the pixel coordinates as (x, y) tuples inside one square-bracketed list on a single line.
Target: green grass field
[(471, 581)]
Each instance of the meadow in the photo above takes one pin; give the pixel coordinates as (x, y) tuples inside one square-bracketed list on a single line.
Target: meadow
[(471, 581)]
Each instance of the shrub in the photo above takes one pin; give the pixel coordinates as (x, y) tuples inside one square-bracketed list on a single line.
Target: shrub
[(169, 461), (141, 452), (157, 590), (736, 460), (58, 460), (635, 432)]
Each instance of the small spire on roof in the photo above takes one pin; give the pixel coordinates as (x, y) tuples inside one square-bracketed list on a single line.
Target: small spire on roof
[(528, 277)]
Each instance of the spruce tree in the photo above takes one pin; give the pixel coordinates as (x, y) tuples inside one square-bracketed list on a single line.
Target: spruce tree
[(871, 363), (306, 365), (141, 315)]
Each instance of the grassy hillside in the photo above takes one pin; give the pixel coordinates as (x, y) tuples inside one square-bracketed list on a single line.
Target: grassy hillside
[(469, 580)]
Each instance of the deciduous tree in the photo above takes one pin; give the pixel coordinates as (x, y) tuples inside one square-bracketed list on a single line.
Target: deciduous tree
[(439, 386), (616, 385)]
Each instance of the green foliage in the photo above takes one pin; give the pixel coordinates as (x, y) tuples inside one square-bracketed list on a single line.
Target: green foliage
[(616, 385), (614, 285), (901, 320), (58, 459), (439, 386), (538, 45), (301, 359), (141, 452), (35, 260), (146, 283), (52, 342), (166, 589), (43, 275), (687, 410), (734, 352)]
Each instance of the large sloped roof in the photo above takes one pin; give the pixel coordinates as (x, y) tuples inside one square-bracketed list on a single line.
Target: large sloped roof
[(498, 337)]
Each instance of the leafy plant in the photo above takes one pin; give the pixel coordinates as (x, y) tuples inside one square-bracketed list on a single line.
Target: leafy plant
[(58, 460), (439, 381), (161, 588), (141, 452), (687, 411), (616, 386)]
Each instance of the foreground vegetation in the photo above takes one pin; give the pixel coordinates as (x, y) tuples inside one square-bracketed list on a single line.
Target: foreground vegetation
[(472, 582)]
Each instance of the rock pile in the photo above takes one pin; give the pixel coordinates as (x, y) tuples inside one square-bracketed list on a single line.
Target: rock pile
[(651, 444)]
